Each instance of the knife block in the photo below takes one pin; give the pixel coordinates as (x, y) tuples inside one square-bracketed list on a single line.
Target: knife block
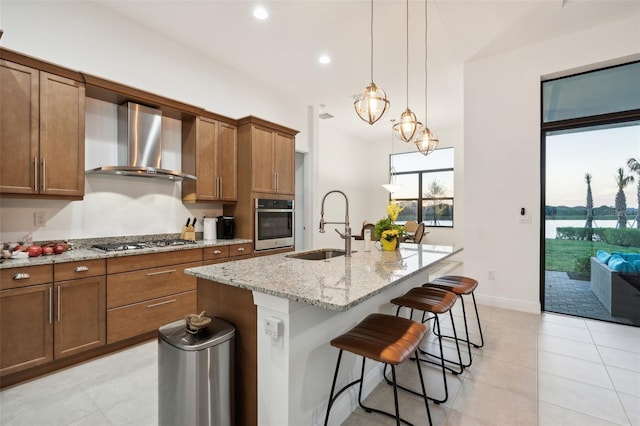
[(188, 233)]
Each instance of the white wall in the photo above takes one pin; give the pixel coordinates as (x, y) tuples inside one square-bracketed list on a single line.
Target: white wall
[(502, 155)]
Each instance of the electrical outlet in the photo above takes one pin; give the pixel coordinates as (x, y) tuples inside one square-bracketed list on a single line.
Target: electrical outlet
[(273, 327), (40, 219), (491, 274)]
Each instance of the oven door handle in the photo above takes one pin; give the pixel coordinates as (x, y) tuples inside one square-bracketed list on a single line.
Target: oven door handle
[(274, 210)]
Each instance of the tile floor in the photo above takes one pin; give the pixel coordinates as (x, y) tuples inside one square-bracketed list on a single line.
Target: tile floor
[(534, 369)]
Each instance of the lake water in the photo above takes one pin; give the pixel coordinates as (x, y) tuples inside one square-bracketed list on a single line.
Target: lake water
[(551, 225)]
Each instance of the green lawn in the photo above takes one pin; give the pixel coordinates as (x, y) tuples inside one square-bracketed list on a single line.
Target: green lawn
[(561, 255)]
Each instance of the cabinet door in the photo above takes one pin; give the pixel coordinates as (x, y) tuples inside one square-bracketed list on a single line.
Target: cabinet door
[(285, 164), (19, 123), (26, 328), (206, 170), (262, 156), (61, 136), (227, 161), (80, 315)]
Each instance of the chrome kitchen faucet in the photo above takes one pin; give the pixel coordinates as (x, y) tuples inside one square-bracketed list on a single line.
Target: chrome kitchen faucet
[(346, 236)]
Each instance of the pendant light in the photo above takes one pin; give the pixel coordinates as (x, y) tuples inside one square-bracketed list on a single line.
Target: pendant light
[(392, 186), (408, 125), (427, 141), (372, 103)]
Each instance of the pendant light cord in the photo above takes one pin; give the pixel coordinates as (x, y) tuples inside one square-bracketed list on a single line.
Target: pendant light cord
[(407, 54), (426, 49), (371, 33)]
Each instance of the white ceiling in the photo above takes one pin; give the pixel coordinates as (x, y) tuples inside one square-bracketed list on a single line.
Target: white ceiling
[(283, 51)]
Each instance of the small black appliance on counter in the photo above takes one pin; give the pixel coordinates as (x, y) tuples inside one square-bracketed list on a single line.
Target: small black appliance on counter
[(225, 227)]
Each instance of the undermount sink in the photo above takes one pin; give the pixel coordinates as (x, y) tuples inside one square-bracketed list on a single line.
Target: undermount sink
[(320, 254)]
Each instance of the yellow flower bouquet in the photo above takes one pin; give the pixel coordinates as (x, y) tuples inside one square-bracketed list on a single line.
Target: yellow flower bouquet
[(386, 229)]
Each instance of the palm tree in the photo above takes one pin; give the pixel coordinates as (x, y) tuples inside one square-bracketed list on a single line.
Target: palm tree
[(634, 166), (589, 223), (621, 200)]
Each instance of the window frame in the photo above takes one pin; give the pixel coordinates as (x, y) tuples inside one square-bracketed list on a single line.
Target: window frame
[(420, 200)]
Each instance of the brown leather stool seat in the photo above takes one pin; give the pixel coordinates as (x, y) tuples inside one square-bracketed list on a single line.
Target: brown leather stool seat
[(461, 286), (384, 338), (435, 301)]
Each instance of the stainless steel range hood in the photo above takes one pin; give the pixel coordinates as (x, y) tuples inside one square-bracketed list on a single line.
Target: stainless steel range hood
[(140, 145)]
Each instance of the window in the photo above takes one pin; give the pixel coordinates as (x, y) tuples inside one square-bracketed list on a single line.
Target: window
[(426, 194)]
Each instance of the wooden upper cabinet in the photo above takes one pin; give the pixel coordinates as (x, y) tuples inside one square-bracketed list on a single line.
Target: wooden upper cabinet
[(272, 160), (41, 133), (210, 152), (62, 108), (19, 126), (284, 163), (263, 177)]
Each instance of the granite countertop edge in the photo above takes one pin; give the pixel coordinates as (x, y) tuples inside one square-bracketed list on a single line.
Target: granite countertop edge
[(208, 274), (81, 254)]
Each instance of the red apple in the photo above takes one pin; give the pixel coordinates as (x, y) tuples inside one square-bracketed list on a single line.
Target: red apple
[(47, 250), (60, 248), (34, 251)]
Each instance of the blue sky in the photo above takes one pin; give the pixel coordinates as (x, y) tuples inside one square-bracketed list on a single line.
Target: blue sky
[(599, 152)]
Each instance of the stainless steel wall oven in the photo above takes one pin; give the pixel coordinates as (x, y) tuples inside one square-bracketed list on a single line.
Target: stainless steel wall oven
[(274, 224)]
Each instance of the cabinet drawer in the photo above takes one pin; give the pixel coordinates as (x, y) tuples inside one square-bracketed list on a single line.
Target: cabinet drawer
[(133, 287), (215, 253), (26, 276), (133, 320), (153, 260), (80, 269), (240, 249)]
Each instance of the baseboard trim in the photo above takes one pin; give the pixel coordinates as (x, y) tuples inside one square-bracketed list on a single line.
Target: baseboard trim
[(507, 303)]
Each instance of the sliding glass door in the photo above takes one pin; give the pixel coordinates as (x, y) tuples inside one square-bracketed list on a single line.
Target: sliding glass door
[(591, 196)]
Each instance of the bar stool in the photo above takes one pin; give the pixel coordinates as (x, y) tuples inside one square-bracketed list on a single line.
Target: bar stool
[(461, 286), (437, 302), (386, 339)]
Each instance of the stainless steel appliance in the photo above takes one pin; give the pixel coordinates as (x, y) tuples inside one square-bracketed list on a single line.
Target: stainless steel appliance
[(140, 145), (274, 223), (225, 227), (196, 374), (138, 245)]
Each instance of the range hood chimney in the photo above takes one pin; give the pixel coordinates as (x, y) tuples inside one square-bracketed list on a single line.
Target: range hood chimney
[(140, 145)]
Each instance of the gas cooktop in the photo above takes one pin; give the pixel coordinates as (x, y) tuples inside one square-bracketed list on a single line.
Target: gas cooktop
[(137, 245)]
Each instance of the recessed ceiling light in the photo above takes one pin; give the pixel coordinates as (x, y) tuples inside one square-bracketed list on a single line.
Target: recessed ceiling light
[(324, 59), (260, 13)]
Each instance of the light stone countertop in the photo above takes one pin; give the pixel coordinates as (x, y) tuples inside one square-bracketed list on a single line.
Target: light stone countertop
[(92, 254), (338, 284)]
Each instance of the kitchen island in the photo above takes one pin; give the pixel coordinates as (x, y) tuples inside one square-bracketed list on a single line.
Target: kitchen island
[(307, 303)]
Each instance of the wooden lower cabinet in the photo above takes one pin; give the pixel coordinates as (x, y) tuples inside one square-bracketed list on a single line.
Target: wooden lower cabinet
[(132, 320), (26, 328), (80, 322)]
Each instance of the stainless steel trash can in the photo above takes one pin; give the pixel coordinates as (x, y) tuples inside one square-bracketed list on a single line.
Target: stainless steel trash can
[(195, 374)]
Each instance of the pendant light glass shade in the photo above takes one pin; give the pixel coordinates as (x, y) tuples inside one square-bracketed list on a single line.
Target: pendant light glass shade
[(427, 141), (407, 128), (372, 103), (408, 125)]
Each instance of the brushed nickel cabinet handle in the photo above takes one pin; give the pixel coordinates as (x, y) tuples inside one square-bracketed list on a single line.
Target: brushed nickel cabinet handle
[(220, 186), (277, 182), (58, 303), (44, 174), (240, 248), (217, 252), (82, 268), (161, 303), (35, 174), (170, 271), (50, 305), (22, 276)]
